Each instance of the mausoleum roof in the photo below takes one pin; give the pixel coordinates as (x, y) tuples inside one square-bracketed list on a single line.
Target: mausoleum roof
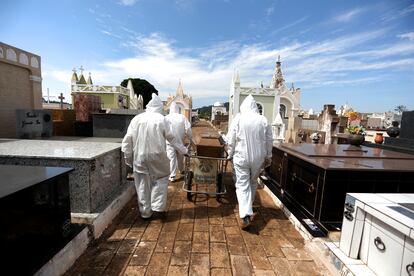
[(81, 80)]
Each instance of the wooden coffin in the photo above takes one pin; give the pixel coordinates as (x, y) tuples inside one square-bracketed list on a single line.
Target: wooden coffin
[(207, 140)]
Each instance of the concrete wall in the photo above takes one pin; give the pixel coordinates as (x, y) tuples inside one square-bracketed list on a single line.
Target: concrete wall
[(20, 86)]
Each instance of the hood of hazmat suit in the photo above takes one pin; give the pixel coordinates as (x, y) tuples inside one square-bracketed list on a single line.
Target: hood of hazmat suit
[(181, 127), (174, 108), (144, 145), (155, 105), (249, 138), (249, 105)]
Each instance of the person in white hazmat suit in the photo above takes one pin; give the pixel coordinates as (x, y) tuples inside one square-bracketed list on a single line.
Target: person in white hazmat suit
[(144, 148), (181, 127), (249, 144)]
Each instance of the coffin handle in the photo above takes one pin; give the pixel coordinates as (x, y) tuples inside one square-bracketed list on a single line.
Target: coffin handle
[(311, 188), (410, 269), (379, 244)]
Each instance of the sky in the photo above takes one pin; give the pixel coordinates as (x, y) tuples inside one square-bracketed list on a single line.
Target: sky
[(359, 53)]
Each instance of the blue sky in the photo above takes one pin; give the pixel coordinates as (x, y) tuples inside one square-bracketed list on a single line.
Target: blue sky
[(355, 52)]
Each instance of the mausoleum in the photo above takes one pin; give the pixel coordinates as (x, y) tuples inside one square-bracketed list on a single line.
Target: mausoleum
[(112, 97), (276, 102), (183, 101)]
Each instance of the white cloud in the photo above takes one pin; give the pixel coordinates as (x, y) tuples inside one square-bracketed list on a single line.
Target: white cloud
[(270, 10), (208, 71), (128, 30), (105, 32), (184, 5), (387, 51), (297, 22), (348, 15), (397, 13), (128, 2), (407, 10), (409, 36), (336, 45), (341, 83), (59, 75)]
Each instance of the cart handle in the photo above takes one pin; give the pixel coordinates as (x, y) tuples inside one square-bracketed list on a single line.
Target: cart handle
[(205, 157)]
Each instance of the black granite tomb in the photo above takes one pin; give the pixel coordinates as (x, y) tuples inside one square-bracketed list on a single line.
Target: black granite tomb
[(407, 125), (35, 221), (312, 180), (406, 137), (111, 125)]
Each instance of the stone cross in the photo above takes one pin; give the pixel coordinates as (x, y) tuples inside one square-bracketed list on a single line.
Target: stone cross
[(61, 98)]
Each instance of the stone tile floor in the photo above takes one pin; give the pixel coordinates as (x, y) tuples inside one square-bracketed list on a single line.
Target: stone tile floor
[(200, 238)]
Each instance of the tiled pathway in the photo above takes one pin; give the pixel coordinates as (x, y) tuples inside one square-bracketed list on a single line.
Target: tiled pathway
[(199, 238)]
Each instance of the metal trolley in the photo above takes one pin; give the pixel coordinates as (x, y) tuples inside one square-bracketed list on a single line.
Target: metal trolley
[(201, 173)]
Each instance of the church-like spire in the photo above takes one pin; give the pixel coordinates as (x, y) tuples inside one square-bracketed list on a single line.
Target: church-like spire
[(81, 77), (133, 104), (277, 79), (180, 91), (74, 77), (236, 78), (89, 81)]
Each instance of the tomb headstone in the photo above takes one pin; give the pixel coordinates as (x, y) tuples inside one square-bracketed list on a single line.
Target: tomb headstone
[(407, 125), (328, 120), (111, 125), (374, 123), (406, 138), (32, 123)]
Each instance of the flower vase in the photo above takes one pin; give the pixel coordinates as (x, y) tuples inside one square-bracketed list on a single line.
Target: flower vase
[(315, 140), (393, 131), (379, 138), (356, 139)]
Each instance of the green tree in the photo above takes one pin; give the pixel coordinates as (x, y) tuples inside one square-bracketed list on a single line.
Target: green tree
[(141, 87)]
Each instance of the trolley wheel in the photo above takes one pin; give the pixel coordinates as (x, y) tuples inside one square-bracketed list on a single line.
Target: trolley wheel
[(188, 180), (219, 185)]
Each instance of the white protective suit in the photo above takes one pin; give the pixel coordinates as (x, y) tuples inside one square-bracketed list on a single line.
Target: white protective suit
[(181, 127), (249, 142), (144, 148)]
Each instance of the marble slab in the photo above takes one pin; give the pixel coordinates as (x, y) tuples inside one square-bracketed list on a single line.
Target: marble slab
[(99, 170), (56, 149), (382, 206), (345, 151), (346, 157)]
